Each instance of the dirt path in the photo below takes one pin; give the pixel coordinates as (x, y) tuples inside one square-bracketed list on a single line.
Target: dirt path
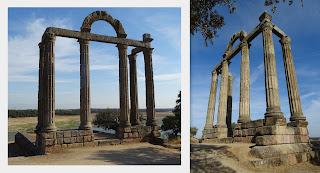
[(233, 158), (130, 154)]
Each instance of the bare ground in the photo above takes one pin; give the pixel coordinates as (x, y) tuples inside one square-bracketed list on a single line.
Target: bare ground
[(128, 154), (233, 158)]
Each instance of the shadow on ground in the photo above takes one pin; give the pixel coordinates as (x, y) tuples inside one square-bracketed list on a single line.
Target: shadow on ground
[(144, 156), (205, 158)]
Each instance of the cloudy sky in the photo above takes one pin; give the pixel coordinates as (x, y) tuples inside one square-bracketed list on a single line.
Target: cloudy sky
[(26, 26), (300, 23)]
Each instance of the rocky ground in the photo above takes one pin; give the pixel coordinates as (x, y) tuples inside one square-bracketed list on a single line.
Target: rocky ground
[(125, 154), (233, 158)]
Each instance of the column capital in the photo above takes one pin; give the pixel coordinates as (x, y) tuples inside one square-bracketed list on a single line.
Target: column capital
[(83, 41), (147, 38), (132, 57), (122, 46), (285, 40), (267, 26), (244, 43), (49, 36), (265, 16)]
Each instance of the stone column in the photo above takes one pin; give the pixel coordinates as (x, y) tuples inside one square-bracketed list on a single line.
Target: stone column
[(149, 87), (291, 79), (147, 53), (85, 110), (229, 106), (273, 113), (212, 100), (244, 103), (49, 85), (40, 86), (222, 110), (134, 110), (123, 84)]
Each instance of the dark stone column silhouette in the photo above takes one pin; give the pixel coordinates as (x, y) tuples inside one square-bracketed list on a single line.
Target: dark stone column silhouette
[(229, 106), (85, 110), (273, 113), (49, 84), (292, 85), (123, 83), (134, 109)]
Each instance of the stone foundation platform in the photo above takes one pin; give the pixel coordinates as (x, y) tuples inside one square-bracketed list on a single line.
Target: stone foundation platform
[(215, 132), (138, 132), (47, 142)]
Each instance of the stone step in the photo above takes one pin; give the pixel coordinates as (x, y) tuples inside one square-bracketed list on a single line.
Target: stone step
[(103, 142)]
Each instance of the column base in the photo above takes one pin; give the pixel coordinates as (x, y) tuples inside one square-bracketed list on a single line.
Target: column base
[(87, 126), (274, 118), (49, 129), (298, 123)]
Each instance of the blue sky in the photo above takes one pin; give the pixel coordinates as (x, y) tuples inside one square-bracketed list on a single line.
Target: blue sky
[(300, 23), (26, 26)]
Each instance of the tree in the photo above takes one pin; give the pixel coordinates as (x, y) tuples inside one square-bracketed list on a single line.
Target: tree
[(193, 131), (206, 20), (107, 120), (173, 123)]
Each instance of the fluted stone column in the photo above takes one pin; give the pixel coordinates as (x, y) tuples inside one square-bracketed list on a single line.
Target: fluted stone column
[(147, 53), (123, 83), (149, 87), (134, 109), (244, 103), (229, 106), (40, 86), (85, 110), (222, 110), (291, 79), (212, 100), (49, 85), (273, 113)]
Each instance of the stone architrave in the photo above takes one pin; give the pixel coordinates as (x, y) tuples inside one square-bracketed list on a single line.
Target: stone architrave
[(123, 83), (49, 85), (85, 109), (291, 80), (229, 106), (134, 109), (273, 113), (244, 103), (212, 100), (222, 110), (151, 121)]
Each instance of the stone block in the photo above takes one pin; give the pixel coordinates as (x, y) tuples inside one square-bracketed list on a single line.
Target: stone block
[(79, 139), (73, 140), (81, 132), (135, 134), (49, 142), (89, 144), (87, 138), (67, 134), (281, 139), (251, 132), (48, 135), (64, 146), (88, 132), (67, 140), (74, 133), (59, 134), (75, 145), (59, 141)]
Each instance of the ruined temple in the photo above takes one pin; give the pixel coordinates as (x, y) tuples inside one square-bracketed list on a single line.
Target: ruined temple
[(276, 140)]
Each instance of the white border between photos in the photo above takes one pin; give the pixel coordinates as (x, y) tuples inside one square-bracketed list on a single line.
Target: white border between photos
[(185, 84)]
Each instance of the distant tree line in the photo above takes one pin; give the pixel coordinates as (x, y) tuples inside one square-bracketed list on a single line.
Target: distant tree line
[(34, 112)]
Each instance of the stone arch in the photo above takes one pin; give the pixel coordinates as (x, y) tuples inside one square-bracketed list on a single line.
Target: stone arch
[(102, 15)]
